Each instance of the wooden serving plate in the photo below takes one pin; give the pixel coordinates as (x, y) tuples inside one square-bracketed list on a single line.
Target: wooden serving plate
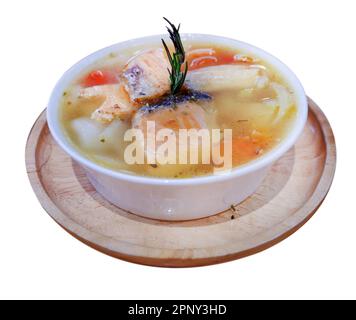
[(293, 190)]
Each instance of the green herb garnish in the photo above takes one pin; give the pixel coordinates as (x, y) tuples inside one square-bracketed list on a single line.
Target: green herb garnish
[(176, 61)]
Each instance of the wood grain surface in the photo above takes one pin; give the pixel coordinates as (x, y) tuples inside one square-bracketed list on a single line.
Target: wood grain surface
[(293, 190)]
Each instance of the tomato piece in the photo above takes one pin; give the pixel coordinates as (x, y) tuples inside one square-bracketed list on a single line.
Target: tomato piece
[(226, 58), (100, 77)]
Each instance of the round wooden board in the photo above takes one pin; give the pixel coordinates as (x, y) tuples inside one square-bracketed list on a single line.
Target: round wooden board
[(293, 190)]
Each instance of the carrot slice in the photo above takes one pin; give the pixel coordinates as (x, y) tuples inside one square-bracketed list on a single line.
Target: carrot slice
[(247, 148)]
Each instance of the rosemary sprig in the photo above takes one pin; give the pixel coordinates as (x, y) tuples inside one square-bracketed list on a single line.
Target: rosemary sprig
[(176, 76)]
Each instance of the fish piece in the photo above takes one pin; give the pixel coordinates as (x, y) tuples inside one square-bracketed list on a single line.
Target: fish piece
[(116, 104), (215, 78), (186, 115), (178, 98), (146, 75)]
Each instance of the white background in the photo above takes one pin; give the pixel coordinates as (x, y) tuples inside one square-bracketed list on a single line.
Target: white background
[(41, 39)]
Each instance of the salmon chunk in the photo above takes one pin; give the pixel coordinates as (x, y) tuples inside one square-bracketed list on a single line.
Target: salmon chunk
[(116, 103), (146, 75), (186, 115)]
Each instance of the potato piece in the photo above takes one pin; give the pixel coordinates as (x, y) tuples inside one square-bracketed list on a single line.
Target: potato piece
[(87, 132), (257, 114), (112, 137), (95, 136), (261, 115)]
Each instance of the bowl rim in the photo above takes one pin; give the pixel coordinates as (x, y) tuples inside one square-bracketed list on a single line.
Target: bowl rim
[(259, 163)]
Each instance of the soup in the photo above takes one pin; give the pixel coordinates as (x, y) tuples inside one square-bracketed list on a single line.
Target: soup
[(222, 89)]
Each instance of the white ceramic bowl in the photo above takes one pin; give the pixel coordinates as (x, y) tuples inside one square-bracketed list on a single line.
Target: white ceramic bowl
[(178, 199)]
